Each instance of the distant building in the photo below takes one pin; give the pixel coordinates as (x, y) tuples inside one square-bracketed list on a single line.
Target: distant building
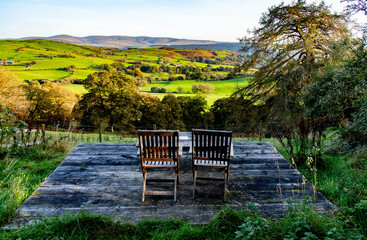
[(7, 62)]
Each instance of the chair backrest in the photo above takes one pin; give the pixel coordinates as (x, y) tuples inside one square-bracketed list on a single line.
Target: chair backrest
[(158, 145), (211, 145)]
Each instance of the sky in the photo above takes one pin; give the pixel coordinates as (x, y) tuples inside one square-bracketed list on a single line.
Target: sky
[(219, 20)]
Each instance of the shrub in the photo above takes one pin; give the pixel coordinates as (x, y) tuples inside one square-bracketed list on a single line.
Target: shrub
[(155, 89), (294, 137), (9, 126)]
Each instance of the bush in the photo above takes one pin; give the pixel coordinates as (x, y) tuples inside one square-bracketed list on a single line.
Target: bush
[(155, 89), (9, 126), (296, 140)]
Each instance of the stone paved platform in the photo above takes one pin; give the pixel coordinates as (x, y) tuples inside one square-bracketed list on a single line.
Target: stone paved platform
[(106, 178)]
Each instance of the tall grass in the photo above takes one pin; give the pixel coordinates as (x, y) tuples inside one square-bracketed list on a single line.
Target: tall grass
[(23, 172), (299, 223)]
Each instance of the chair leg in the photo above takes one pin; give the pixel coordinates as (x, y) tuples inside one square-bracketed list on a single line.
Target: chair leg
[(178, 177), (225, 184), (144, 183), (175, 190), (195, 175)]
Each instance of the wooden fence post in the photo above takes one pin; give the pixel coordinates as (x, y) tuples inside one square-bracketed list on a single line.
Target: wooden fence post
[(261, 129), (43, 129), (100, 132)]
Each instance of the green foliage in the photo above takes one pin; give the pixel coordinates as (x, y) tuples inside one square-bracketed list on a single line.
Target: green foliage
[(9, 126), (22, 172), (152, 112), (302, 139), (293, 42), (111, 98), (235, 113), (193, 109), (173, 114), (341, 95), (48, 101), (344, 185), (299, 223), (334, 96)]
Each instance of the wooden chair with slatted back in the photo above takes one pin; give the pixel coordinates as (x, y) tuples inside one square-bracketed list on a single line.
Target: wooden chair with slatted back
[(211, 149), (159, 149)]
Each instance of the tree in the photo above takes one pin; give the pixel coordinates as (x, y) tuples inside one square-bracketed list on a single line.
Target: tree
[(234, 113), (173, 112), (292, 43), (12, 94), (355, 6), (341, 95), (152, 112), (48, 101), (111, 98), (137, 73), (193, 109)]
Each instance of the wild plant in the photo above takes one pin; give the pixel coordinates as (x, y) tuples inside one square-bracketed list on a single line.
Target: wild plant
[(300, 139)]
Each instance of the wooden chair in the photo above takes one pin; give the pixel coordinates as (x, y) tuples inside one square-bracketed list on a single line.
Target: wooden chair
[(211, 149), (159, 149)]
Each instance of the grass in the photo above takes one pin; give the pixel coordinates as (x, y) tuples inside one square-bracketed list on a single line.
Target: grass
[(300, 223), (66, 62), (81, 74), (76, 88), (22, 173), (15, 67), (223, 88), (90, 137), (344, 185), (42, 74)]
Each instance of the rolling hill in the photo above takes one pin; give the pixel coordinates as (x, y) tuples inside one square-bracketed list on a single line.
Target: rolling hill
[(44, 59), (123, 42)]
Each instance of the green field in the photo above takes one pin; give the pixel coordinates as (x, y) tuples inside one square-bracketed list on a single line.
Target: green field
[(222, 88), (42, 74), (77, 88), (54, 56), (66, 62), (81, 74)]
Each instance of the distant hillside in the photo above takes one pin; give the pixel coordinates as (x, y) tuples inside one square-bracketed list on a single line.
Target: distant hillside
[(230, 46), (64, 62), (123, 42)]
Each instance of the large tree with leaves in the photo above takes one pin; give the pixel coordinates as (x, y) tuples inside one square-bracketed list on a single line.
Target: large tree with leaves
[(292, 43), (112, 99)]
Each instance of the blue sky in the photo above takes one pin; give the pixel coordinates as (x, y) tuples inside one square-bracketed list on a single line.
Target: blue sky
[(221, 20)]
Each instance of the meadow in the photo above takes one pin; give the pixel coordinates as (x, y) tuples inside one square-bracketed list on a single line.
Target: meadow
[(222, 89), (42, 55)]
